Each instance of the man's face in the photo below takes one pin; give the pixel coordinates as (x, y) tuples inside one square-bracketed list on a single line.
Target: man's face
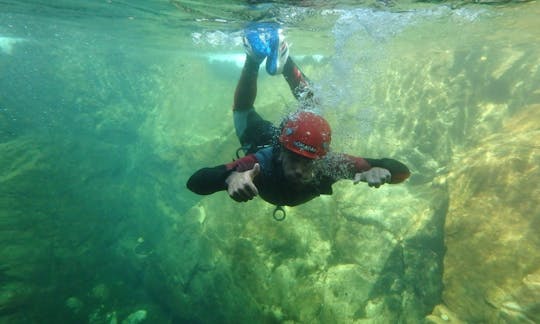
[(296, 168)]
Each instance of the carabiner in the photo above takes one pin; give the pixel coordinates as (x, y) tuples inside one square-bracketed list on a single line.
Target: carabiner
[(275, 213), (240, 149)]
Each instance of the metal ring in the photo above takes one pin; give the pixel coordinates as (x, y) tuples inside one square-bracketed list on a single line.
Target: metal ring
[(241, 148), (275, 213)]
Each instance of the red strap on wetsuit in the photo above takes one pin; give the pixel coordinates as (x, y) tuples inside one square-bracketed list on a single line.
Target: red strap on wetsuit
[(242, 164)]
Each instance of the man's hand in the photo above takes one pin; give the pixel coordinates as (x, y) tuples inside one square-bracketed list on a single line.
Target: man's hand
[(240, 185), (375, 177)]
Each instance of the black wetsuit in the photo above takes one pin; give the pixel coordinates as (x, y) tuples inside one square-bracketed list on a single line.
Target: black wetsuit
[(274, 188)]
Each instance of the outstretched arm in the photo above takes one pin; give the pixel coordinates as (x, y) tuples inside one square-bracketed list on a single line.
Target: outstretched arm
[(230, 177), (375, 177), (399, 172), (240, 185), (373, 171), (206, 181)]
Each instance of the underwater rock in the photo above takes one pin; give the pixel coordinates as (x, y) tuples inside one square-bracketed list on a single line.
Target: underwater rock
[(492, 224), (135, 317), (345, 292), (14, 296), (100, 292), (522, 304), (334, 260), (441, 315), (74, 304)]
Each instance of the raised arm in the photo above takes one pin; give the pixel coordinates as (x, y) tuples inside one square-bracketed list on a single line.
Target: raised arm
[(298, 83)]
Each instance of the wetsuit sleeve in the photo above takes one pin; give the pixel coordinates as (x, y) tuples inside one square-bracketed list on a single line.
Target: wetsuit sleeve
[(207, 181), (399, 171), (344, 166)]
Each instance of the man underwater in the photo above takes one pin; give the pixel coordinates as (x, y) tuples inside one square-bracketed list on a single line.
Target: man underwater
[(291, 164)]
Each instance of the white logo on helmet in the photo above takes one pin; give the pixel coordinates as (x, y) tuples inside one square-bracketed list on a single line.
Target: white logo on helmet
[(304, 147)]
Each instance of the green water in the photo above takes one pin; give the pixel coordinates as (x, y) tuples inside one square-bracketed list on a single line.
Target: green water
[(107, 107)]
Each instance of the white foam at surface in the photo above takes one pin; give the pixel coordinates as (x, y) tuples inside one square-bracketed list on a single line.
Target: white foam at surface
[(7, 44)]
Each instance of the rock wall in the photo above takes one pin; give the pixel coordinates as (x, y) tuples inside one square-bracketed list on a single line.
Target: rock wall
[(492, 264)]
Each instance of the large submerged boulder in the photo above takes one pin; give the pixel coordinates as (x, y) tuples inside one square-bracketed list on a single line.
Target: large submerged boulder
[(492, 263)]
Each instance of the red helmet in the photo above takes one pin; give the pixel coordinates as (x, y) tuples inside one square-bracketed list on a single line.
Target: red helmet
[(307, 134)]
